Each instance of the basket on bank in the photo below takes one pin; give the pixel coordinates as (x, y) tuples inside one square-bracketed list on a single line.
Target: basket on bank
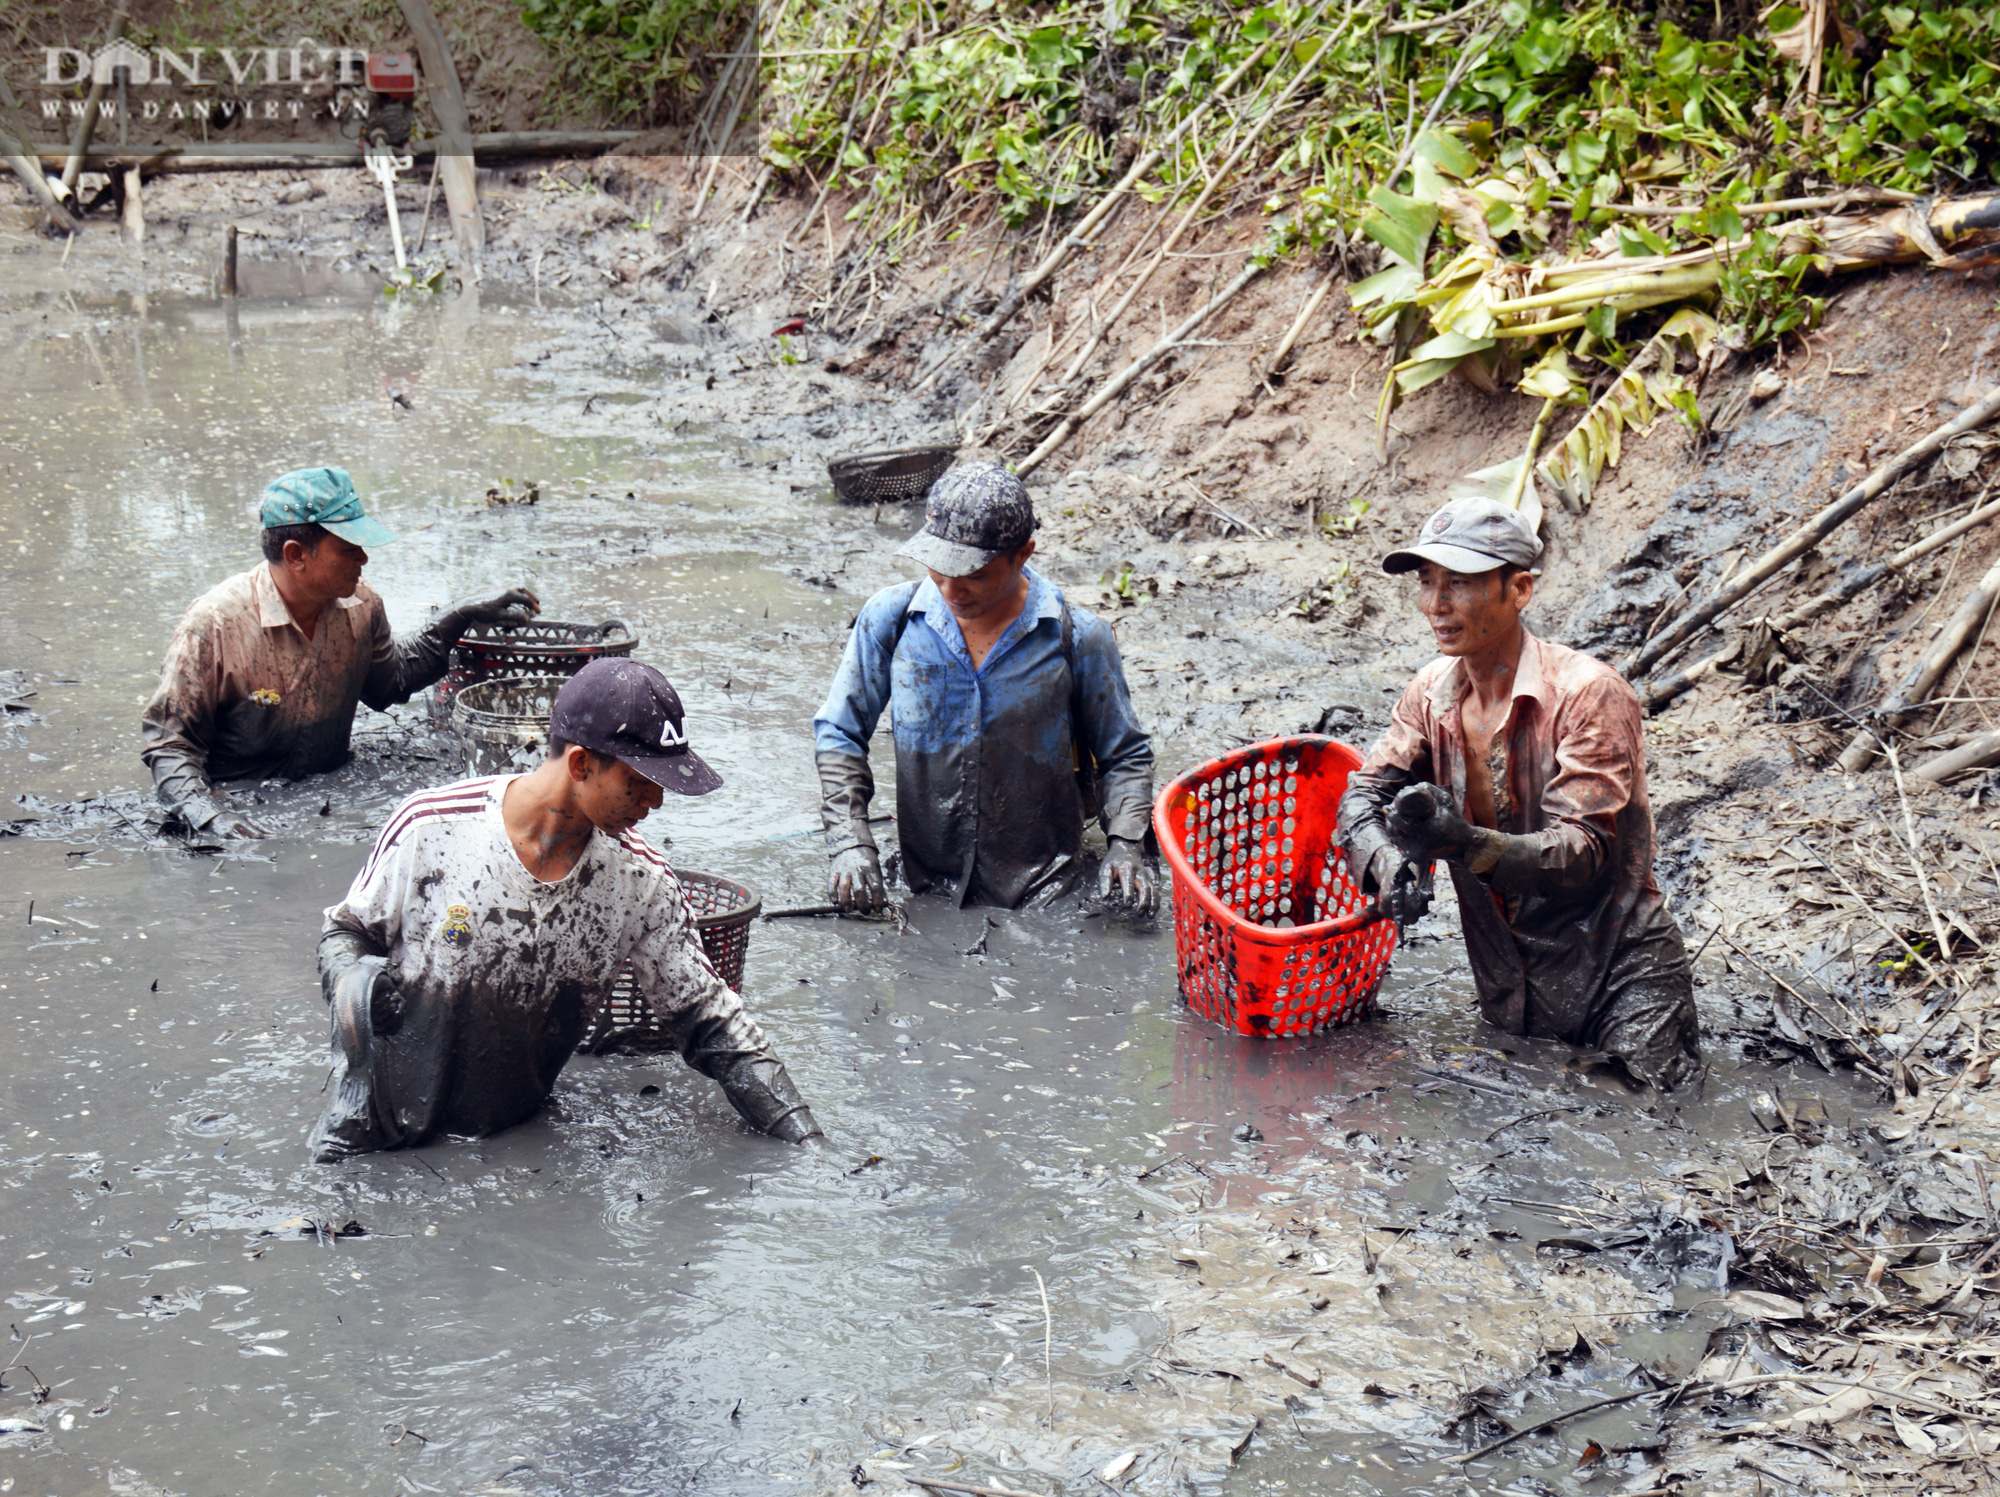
[(723, 911), (1271, 934), (889, 476), (541, 647)]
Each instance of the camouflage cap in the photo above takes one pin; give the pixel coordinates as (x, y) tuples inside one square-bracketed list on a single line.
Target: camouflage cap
[(324, 497), (974, 513)]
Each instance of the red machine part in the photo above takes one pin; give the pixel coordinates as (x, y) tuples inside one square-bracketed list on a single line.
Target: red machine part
[(393, 74)]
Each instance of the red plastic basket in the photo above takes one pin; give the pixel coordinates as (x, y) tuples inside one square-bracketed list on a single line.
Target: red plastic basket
[(1271, 935)]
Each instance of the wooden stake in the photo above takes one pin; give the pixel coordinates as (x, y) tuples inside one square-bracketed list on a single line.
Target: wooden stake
[(135, 207), (229, 262), (461, 182), (92, 103), (1822, 525)]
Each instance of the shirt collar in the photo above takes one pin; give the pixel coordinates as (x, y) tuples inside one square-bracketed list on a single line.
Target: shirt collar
[(1529, 681), (272, 611), (1044, 601)]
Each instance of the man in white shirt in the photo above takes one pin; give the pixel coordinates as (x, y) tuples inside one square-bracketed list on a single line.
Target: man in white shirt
[(492, 919)]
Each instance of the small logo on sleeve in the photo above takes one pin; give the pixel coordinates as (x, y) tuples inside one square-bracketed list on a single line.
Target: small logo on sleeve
[(456, 927)]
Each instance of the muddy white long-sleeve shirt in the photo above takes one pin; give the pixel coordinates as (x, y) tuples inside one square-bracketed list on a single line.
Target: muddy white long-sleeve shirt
[(500, 973)]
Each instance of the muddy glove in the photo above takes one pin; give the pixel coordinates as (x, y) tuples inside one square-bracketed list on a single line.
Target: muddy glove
[(759, 1087), (1399, 885), (183, 786), (1426, 824), (360, 992), (854, 882), (228, 823), (515, 606), (1125, 879), (421, 658)]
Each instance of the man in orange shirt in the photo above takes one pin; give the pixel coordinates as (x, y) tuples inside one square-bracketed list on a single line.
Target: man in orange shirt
[(1521, 763)]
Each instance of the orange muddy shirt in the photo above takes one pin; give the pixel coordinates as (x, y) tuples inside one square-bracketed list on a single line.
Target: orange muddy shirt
[(1573, 906)]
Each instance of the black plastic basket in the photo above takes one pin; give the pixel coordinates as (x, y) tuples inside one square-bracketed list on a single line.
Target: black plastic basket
[(544, 647), (723, 911), (893, 475)]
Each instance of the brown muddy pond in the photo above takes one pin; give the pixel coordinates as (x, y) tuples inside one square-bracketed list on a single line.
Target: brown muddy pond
[(634, 1294)]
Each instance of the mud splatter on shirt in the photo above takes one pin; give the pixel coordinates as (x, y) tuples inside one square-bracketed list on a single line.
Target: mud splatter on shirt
[(500, 973)]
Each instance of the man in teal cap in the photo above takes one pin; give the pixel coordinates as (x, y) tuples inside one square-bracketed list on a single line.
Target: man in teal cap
[(265, 669)]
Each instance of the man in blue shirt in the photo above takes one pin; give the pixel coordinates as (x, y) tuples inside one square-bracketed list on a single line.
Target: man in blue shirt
[(1011, 717)]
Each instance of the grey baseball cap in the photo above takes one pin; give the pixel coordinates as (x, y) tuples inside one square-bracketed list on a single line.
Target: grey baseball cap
[(974, 513), (1470, 535)]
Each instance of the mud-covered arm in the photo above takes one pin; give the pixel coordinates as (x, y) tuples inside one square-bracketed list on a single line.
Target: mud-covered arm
[(400, 666), (1380, 865), (178, 723), (1401, 756), (1600, 756), (1109, 728), (708, 1022), (846, 722)]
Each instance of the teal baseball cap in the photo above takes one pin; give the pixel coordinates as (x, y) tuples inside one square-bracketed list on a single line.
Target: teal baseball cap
[(325, 497)]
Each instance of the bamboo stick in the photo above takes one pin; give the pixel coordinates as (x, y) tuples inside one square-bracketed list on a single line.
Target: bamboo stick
[(1193, 214), (1298, 327), (1854, 198), (1975, 753), (92, 103), (1916, 686), (1661, 692), (1822, 525), (461, 183), (1115, 387), (30, 173), (1077, 237), (846, 132), (721, 146)]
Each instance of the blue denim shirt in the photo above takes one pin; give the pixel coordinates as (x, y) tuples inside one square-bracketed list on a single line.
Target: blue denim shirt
[(986, 785)]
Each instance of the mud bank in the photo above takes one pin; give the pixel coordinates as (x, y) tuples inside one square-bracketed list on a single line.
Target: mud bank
[(1327, 1266)]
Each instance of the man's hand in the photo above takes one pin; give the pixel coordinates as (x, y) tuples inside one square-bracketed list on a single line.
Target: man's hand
[(1426, 824), (1125, 880), (1396, 883), (854, 882), (236, 824), (515, 606)]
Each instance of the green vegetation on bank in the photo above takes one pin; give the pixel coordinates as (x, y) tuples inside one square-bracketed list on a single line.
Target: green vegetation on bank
[(1477, 146)]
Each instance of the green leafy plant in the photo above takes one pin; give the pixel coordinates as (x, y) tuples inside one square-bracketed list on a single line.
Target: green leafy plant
[(1340, 527)]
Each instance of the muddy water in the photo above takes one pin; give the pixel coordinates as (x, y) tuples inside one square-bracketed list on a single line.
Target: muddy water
[(632, 1293)]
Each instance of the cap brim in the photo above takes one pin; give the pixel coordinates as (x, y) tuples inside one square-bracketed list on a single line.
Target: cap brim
[(361, 532), (685, 773), (943, 556), (1451, 558)]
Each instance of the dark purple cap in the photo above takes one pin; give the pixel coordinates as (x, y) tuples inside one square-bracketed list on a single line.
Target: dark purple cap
[(631, 713)]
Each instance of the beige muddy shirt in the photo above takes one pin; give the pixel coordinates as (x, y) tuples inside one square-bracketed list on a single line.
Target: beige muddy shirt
[(244, 693)]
